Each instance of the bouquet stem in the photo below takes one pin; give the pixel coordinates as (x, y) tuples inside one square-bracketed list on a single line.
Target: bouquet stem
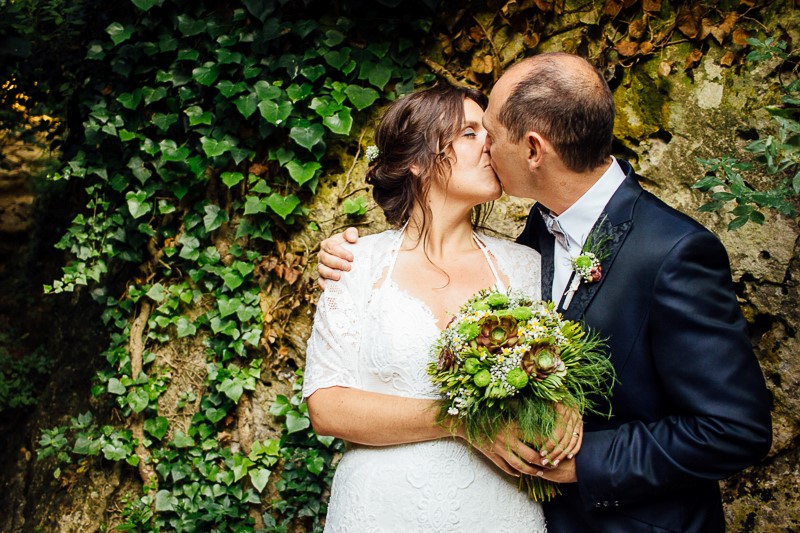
[(539, 490)]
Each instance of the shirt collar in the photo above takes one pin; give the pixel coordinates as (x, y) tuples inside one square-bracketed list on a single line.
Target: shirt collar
[(577, 221)]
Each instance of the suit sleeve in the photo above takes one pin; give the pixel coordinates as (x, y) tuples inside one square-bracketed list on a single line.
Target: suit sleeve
[(711, 380)]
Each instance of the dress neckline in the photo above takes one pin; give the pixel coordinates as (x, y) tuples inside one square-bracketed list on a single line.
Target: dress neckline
[(395, 252)]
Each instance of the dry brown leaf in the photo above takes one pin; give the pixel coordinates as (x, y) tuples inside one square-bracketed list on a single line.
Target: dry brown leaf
[(728, 59), (646, 47), (693, 59), (476, 34), (740, 37), (628, 3), (531, 40), (258, 169), (482, 64), (749, 3), (687, 23), (464, 44), (627, 48), (612, 8), (509, 8), (544, 5), (652, 6), (446, 44), (637, 29), (664, 68), (706, 26)]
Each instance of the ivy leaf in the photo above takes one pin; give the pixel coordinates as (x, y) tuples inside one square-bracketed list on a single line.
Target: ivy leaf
[(282, 155), (299, 92), (231, 179), (171, 152), (378, 73), (130, 100), (232, 388), (265, 91), (119, 33), (333, 38), (228, 88), (325, 106), (138, 206), (296, 421), (246, 104), (206, 74), (254, 205), (116, 387), (283, 206), (197, 116), (233, 280), (157, 293), (215, 415), (165, 501), (228, 306), (164, 121), (337, 58), (275, 112), (214, 217), (339, 123), (361, 97), (307, 136), (280, 406), (214, 148), (312, 72), (315, 465), (189, 27), (144, 5), (181, 440), (138, 399), (355, 206), (185, 327), (302, 173), (157, 427), (259, 478)]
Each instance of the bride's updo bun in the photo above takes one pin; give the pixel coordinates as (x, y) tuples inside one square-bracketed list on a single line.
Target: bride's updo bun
[(414, 140)]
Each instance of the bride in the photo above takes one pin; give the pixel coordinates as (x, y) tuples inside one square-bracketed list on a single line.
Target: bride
[(365, 377)]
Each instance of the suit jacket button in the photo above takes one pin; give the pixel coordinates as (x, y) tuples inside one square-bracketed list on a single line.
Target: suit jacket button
[(616, 503)]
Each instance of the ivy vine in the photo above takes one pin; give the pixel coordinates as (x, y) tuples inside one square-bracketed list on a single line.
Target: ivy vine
[(205, 134)]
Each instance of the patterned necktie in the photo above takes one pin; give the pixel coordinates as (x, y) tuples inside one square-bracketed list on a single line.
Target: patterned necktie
[(555, 229)]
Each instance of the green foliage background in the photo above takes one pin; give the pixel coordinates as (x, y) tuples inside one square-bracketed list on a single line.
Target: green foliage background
[(194, 136)]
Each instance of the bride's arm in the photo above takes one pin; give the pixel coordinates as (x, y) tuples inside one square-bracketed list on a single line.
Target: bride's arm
[(376, 419), (372, 418)]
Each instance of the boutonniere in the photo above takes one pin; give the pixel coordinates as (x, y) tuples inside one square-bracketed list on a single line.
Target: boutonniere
[(587, 265)]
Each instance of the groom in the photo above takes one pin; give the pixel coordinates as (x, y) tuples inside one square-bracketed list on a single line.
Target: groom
[(691, 406)]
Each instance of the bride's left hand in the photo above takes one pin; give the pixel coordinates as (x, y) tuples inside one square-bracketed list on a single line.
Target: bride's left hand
[(566, 439)]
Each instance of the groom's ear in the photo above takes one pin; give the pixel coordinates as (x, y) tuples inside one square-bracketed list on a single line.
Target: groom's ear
[(535, 146)]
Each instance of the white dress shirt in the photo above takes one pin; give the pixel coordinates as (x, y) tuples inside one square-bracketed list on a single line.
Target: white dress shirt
[(577, 221)]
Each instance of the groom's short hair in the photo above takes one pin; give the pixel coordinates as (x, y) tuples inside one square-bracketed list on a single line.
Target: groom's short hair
[(569, 104)]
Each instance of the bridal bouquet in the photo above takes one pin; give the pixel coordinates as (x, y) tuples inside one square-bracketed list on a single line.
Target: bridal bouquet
[(507, 359)]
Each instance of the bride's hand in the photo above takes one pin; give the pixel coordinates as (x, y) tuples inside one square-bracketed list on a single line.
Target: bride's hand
[(566, 439), (509, 453), (333, 259)]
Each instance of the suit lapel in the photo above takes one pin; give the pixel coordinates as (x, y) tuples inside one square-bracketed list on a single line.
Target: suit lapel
[(615, 222), (586, 291)]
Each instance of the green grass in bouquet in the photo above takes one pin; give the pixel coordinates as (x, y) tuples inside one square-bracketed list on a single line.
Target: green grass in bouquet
[(505, 359)]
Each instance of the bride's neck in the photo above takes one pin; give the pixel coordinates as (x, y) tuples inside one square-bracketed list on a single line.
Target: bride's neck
[(442, 233)]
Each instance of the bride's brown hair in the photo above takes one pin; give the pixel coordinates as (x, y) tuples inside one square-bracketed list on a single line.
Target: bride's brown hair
[(417, 131)]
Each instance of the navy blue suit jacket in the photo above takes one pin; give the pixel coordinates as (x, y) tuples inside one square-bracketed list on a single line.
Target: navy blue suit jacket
[(691, 406)]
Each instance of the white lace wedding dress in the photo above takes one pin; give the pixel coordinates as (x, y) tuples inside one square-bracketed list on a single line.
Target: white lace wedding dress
[(371, 335)]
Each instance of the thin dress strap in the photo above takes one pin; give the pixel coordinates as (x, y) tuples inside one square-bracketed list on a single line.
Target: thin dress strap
[(498, 282), (396, 251)]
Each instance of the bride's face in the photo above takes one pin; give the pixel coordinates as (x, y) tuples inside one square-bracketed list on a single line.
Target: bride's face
[(472, 178)]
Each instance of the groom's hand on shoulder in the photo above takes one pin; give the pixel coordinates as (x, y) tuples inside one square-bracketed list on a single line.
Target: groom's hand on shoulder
[(333, 258)]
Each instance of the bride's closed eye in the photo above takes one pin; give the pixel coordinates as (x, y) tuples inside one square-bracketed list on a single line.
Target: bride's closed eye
[(469, 132)]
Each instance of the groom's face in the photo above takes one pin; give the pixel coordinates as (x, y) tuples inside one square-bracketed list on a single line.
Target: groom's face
[(508, 157)]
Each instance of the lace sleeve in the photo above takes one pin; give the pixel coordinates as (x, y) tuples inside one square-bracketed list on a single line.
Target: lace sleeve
[(333, 348)]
